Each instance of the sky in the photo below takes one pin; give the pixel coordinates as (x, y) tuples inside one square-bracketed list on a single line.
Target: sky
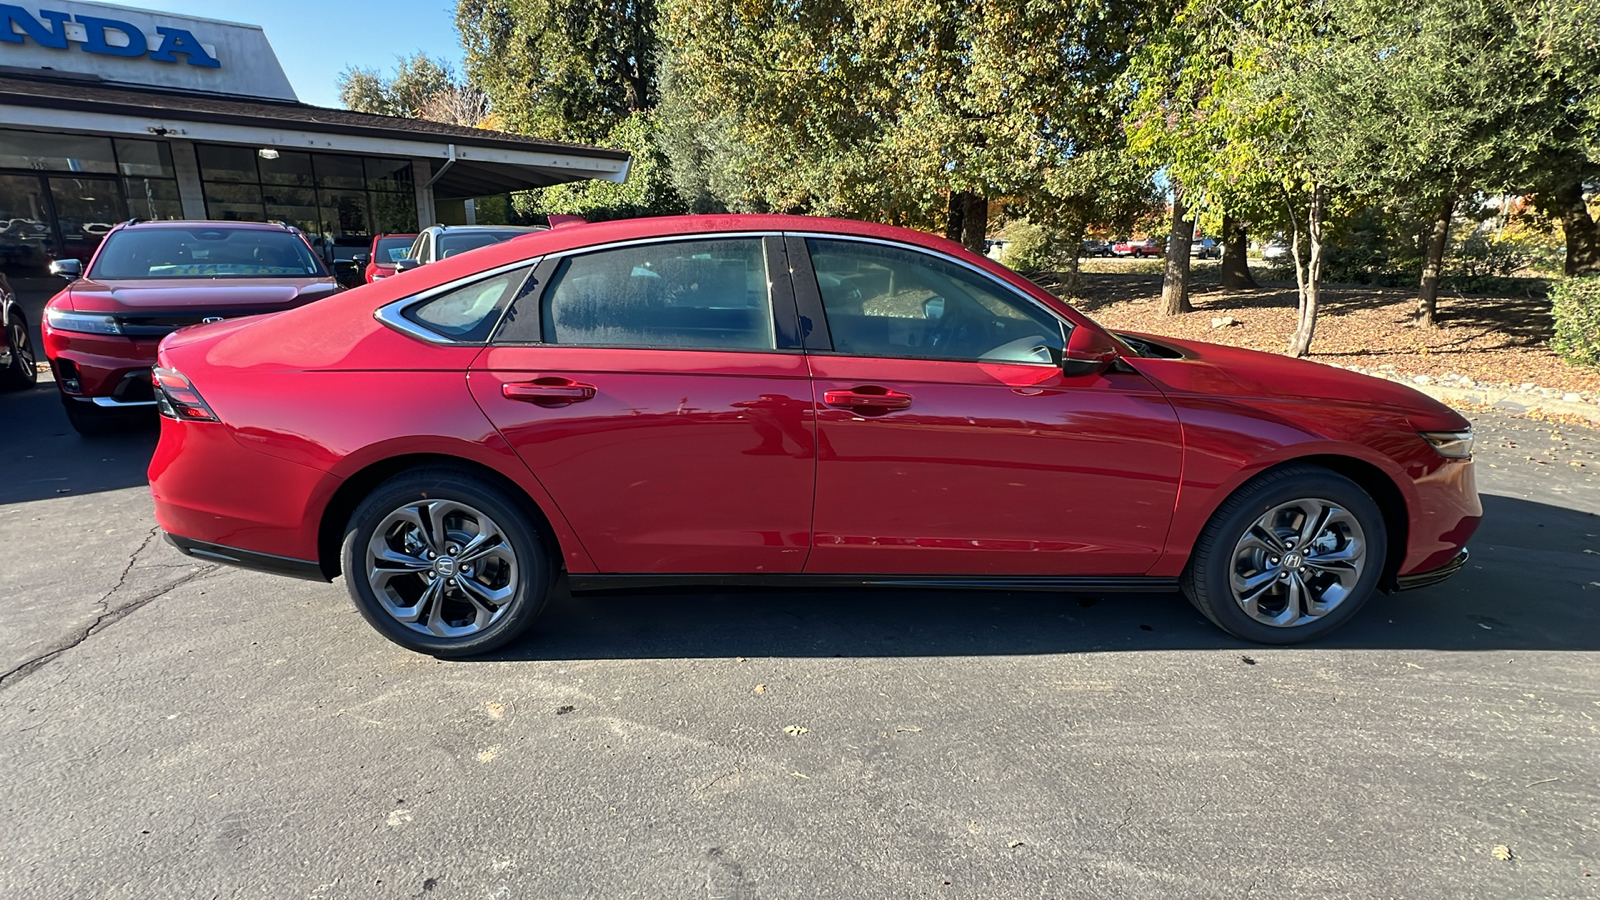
[(315, 41)]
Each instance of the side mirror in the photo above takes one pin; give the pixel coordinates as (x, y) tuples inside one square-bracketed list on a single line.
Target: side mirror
[(406, 265), (933, 308), (361, 259), (70, 269), (1089, 352)]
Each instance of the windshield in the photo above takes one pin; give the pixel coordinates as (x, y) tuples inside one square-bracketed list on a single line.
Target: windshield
[(391, 250), (204, 252), (452, 244)]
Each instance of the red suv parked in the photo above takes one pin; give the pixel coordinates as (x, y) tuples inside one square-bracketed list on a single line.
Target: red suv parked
[(387, 251), (148, 279), (776, 400)]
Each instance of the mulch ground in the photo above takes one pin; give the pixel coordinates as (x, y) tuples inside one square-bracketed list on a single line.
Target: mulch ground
[(1503, 340)]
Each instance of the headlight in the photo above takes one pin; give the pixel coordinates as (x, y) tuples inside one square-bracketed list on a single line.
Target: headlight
[(83, 323), (1450, 444)]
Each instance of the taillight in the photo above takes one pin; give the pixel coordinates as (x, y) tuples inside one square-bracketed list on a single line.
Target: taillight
[(177, 398)]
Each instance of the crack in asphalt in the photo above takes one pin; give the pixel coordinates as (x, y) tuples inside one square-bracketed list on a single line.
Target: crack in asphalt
[(107, 616)]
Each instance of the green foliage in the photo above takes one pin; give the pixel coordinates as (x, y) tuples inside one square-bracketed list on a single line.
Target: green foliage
[(1577, 320), (881, 109), (566, 69), (647, 192), (1029, 248), (415, 82)]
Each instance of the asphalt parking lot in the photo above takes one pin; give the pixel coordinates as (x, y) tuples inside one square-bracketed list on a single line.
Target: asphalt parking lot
[(182, 730)]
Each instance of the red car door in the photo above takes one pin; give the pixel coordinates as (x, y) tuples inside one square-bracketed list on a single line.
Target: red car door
[(663, 404), (950, 441)]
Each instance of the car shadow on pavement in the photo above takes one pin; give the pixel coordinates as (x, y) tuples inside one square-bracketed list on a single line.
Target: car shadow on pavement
[(44, 458), (1533, 583)]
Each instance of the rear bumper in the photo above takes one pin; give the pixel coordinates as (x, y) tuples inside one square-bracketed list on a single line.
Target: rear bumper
[(306, 569), (1432, 576)]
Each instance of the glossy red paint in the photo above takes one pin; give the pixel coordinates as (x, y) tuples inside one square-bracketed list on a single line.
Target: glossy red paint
[(702, 462), (682, 461), (992, 469)]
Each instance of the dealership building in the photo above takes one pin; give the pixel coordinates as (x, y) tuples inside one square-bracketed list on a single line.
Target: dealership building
[(109, 113)]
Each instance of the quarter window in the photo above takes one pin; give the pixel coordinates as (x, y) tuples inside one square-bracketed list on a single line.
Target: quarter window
[(887, 302), (469, 313), (688, 295)]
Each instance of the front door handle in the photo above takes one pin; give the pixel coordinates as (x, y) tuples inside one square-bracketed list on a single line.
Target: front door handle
[(549, 390), (868, 396)]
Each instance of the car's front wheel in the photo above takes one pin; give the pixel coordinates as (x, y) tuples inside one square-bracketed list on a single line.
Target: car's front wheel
[(20, 372), (1288, 558), (440, 561)]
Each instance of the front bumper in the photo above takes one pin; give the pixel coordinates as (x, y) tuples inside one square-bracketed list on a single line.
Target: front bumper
[(1432, 576)]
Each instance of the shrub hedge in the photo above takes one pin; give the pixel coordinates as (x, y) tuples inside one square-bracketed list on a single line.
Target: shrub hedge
[(1576, 308)]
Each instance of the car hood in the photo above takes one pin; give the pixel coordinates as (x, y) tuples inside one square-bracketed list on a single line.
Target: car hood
[(1214, 369), (221, 294)]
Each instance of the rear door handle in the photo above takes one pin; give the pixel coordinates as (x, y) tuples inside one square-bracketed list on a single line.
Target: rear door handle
[(548, 390), (868, 396)]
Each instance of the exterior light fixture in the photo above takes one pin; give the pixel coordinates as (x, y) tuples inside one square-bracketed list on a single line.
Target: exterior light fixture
[(267, 153)]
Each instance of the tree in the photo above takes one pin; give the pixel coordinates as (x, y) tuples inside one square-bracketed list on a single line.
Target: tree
[(416, 80), (916, 114), (565, 69)]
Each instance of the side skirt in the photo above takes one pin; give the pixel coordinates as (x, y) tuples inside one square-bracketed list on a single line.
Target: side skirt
[(583, 584)]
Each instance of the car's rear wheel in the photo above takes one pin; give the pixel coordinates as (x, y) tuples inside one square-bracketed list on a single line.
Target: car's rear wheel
[(1290, 557), (442, 562), (21, 372)]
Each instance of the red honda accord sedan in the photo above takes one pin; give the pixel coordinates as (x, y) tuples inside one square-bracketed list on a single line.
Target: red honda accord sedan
[(773, 400)]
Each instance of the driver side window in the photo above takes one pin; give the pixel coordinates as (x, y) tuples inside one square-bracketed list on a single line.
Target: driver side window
[(888, 302)]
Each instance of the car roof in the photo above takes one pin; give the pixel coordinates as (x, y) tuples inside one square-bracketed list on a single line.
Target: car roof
[(206, 223)]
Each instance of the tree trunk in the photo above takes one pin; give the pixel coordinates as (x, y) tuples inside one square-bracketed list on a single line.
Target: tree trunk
[(974, 222), (1433, 264), (1310, 282), (1235, 256), (1175, 278), (1581, 232), (1074, 246), (953, 215)]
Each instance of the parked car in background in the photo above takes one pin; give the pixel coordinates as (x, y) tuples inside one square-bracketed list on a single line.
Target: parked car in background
[(17, 370), (1092, 247), (148, 279), (1275, 250), (634, 404), (1143, 247), (1204, 248), (438, 242), (386, 252)]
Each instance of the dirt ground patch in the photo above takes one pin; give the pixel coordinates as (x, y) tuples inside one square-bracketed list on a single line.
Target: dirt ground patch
[(1501, 339)]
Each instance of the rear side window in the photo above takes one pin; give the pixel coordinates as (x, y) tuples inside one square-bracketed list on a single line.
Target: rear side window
[(687, 295), (469, 313)]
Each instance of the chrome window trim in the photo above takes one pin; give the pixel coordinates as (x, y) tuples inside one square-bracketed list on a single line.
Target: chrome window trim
[(392, 313), (913, 248), (559, 255)]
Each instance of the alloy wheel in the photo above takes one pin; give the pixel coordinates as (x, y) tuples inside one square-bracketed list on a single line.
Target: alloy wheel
[(442, 568), (1298, 562)]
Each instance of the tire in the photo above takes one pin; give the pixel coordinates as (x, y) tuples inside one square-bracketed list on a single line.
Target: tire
[(92, 421), (21, 374), (1249, 579), (474, 611)]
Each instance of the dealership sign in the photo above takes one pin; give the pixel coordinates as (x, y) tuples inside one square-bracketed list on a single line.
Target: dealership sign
[(59, 30)]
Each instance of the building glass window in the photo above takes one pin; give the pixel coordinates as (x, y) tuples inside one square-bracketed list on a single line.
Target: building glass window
[(289, 168), (150, 159), (339, 202), (152, 198), (218, 163), (56, 152), (234, 202)]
